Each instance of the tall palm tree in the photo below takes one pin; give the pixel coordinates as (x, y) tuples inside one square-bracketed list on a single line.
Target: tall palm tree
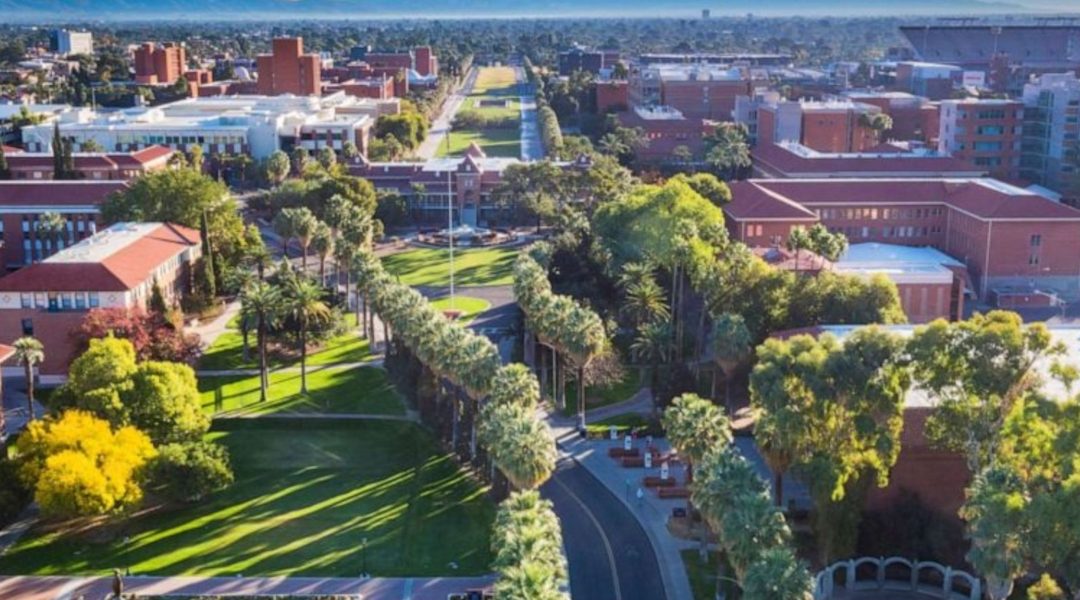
[(261, 303), (29, 352), (653, 344), (777, 575), (645, 301), (694, 426), (303, 302), (51, 227), (323, 244), (732, 344), (305, 226)]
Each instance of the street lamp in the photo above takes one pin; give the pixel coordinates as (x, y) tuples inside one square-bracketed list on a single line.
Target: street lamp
[(363, 555), (450, 215)]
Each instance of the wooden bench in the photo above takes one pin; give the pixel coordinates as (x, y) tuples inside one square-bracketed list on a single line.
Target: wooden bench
[(631, 462), (620, 452), (655, 481), (674, 492)]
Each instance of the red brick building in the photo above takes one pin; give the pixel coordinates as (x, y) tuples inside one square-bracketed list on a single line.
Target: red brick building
[(913, 117), (666, 129), (162, 64), (92, 165), (1008, 239), (985, 132), (115, 268), (612, 96), (697, 91), (23, 202), (288, 70), (788, 160)]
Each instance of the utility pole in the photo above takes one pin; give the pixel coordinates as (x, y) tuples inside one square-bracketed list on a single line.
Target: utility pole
[(450, 217)]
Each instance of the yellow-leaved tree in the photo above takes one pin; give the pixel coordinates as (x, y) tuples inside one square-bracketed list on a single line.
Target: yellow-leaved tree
[(78, 465)]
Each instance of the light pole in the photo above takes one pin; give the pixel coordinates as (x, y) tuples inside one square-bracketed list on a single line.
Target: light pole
[(363, 555), (450, 216)]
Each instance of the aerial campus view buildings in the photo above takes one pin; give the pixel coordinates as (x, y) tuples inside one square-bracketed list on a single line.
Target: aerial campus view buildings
[(411, 312)]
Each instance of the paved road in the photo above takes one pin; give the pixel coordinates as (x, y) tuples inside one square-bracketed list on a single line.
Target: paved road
[(437, 132), (610, 556), (532, 148), (65, 588)]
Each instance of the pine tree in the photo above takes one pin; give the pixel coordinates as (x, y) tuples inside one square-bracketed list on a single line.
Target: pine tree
[(69, 161), (5, 171), (209, 278), (157, 300), (58, 153)]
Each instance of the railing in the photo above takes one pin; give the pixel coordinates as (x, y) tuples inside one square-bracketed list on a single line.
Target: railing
[(929, 579)]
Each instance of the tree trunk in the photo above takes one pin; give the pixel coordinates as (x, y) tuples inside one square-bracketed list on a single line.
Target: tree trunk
[(322, 271), (699, 350), (560, 381), (246, 355), (778, 489), (712, 393), (581, 397), (303, 259), (727, 396), (261, 341), (30, 389), (456, 417), (543, 373), (303, 356)]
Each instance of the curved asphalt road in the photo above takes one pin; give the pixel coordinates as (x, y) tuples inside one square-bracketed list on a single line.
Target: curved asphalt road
[(610, 556)]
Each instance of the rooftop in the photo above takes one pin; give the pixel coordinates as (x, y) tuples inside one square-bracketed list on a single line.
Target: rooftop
[(116, 259), (793, 159), (902, 264), (40, 193)]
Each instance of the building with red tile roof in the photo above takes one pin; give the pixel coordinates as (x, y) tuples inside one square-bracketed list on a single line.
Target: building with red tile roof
[(22, 203), (93, 165), (1008, 239), (796, 161), (115, 268)]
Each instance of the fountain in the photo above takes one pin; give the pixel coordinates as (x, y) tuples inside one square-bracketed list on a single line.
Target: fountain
[(465, 235)]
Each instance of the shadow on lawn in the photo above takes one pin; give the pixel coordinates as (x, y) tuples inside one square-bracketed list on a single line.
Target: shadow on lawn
[(280, 519)]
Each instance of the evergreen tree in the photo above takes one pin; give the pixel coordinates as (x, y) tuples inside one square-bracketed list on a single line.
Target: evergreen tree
[(157, 299), (69, 161), (5, 172), (58, 153), (209, 277)]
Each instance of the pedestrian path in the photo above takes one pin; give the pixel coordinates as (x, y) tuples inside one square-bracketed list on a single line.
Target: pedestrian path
[(379, 588)]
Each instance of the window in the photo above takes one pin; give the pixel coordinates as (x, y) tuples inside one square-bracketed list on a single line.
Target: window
[(80, 301), (1033, 259), (66, 301), (39, 300), (28, 327), (26, 300), (1036, 240), (92, 299), (54, 301)]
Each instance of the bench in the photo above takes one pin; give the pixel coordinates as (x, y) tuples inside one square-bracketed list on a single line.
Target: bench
[(674, 492), (631, 462), (620, 452), (655, 481)]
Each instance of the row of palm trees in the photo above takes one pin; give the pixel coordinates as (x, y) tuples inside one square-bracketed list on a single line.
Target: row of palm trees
[(735, 503), (527, 540), (572, 331), (520, 445)]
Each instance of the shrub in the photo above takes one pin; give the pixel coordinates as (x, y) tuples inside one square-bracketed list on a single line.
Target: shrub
[(189, 472), (14, 496)]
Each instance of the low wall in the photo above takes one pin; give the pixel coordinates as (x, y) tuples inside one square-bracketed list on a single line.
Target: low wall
[(929, 579)]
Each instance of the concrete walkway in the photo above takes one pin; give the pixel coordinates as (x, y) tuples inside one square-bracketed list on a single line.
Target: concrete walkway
[(210, 331), (441, 125), (97, 588), (342, 366), (532, 147)]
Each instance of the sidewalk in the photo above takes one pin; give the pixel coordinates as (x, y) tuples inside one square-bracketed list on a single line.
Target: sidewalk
[(97, 588)]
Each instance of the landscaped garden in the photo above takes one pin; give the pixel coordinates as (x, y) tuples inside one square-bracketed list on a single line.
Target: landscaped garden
[(227, 351), (467, 306), (431, 267), (307, 493), (357, 390), (490, 116)]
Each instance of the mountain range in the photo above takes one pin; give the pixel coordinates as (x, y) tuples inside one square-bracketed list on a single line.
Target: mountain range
[(81, 10)]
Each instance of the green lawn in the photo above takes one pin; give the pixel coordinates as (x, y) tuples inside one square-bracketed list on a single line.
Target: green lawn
[(306, 493), (492, 83), (227, 350), (505, 143), (430, 267), (469, 307), (360, 390), (596, 397), (703, 575), (622, 423)]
